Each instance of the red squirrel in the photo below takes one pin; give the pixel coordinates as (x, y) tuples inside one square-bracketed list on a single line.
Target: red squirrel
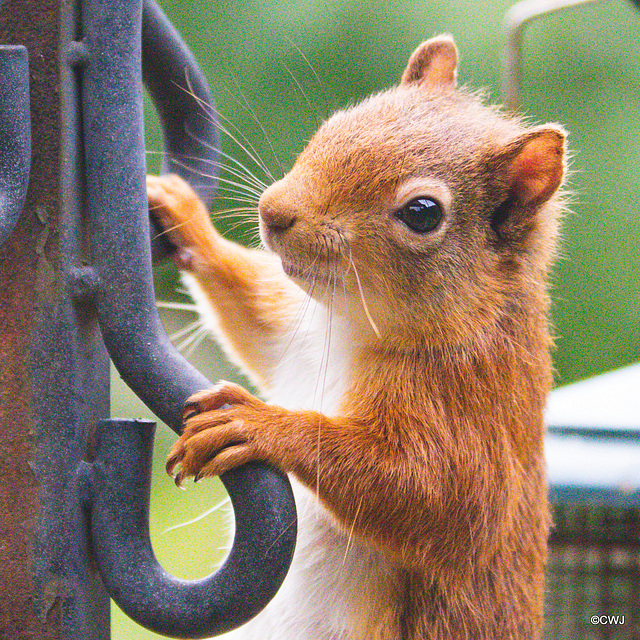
[(397, 328)]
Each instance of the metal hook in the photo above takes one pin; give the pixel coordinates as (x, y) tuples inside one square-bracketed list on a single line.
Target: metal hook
[(119, 481), (118, 227), (15, 135), (184, 103), (515, 21)]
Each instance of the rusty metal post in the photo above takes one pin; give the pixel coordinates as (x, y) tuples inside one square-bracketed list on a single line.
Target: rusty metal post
[(54, 371)]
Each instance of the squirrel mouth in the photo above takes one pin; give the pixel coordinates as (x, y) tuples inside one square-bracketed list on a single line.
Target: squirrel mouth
[(312, 274), (306, 273)]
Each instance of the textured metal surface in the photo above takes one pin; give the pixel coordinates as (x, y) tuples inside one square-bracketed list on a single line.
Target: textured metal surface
[(120, 479), (184, 104), (15, 135), (117, 210), (53, 368), (80, 252)]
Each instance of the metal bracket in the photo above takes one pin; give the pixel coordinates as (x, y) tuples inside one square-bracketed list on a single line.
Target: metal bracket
[(118, 229), (15, 135)]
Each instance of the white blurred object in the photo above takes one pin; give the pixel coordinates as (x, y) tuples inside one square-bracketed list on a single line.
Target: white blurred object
[(515, 21), (608, 401), (593, 445)]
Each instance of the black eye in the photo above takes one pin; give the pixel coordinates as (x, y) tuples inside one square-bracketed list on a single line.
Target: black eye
[(421, 215)]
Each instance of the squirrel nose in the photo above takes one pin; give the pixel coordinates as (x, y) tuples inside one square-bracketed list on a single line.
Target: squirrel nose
[(275, 214)]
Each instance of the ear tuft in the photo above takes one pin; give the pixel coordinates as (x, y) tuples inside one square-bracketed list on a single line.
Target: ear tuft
[(433, 65)]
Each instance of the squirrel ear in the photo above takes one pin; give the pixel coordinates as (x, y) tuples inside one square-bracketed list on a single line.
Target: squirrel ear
[(433, 64), (534, 164), (529, 170)]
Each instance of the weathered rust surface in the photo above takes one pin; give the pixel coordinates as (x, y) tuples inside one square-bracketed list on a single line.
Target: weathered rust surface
[(27, 268)]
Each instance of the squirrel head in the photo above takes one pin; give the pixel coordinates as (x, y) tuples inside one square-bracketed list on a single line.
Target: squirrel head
[(421, 210)]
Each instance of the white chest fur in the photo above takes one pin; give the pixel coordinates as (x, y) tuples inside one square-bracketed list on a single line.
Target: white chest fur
[(336, 589), (312, 369)]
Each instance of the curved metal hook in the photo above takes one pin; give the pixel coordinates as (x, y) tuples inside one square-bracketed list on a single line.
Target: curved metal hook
[(120, 483), (137, 343), (184, 103), (15, 135), (515, 21)]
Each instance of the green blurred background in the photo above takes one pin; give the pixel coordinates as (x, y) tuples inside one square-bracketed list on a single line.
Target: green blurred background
[(281, 67)]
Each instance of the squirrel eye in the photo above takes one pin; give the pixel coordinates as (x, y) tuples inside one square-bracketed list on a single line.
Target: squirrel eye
[(421, 215)]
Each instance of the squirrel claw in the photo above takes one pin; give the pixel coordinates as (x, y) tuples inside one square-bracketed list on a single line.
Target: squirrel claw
[(189, 412), (179, 479), (223, 393), (219, 433), (174, 459)]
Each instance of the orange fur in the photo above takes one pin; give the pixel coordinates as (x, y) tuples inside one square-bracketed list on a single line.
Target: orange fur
[(434, 457)]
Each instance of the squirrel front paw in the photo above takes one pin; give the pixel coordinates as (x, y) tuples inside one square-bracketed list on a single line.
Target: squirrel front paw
[(182, 216), (224, 427)]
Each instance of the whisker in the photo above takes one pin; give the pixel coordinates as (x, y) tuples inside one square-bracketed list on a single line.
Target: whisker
[(362, 298), (353, 526), (235, 195), (248, 180), (169, 229), (253, 154), (228, 195), (326, 347), (179, 306), (302, 92), (197, 336), (240, 189), (313, 71), (257, 121), (247, 190), (250, 201), (192, 326), (197, 341), (234, 212), (208, 112), (259, 182), (254, 241), (208, 512), (242, 172), (238, 225), (243, 188), (298, 317), (326, 355)]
